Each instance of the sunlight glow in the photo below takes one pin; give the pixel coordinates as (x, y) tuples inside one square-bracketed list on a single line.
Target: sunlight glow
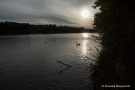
[(85, 35), (84, 48), (85, 13)]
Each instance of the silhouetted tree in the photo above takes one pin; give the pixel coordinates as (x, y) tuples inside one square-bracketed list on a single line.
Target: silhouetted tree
[(8, 28), (115, 24)]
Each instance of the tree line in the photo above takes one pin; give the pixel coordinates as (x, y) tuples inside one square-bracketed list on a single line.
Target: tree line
[(115, 23), (8, 28)]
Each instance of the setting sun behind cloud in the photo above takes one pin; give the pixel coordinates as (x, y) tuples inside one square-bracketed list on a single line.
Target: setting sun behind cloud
[(85, 13)]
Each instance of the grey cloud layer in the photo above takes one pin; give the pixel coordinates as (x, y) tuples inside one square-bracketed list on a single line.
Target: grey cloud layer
[(57, 11)]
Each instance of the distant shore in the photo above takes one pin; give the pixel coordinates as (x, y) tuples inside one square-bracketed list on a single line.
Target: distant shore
[(14, 28), (42, 33)]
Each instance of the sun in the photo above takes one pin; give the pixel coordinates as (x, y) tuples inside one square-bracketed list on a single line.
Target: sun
[(85, 13)]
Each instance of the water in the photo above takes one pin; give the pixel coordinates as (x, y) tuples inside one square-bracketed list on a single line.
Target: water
[(31, 62)]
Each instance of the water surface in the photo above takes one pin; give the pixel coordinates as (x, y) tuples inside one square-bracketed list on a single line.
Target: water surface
[(31, 62)]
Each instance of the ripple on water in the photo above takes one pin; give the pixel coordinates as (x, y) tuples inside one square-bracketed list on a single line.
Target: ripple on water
[(27, 63)]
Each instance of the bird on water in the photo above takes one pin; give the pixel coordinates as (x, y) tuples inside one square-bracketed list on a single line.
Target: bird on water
[(78, 43)]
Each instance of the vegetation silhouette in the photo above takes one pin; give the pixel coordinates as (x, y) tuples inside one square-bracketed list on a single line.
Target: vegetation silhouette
[(115, 64), (12, 28)]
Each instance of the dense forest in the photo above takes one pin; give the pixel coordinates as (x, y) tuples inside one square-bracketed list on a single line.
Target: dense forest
[(9, 28), (115, 64)]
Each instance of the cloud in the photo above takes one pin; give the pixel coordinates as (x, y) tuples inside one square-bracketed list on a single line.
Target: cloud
[(57, 19), (45, 11), (80, 2)]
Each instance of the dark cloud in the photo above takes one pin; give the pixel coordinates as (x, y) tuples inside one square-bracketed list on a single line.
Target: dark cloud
[(57, 19), (80, 2)]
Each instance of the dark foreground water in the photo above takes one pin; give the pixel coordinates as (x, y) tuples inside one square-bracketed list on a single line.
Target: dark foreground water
[(45, 62)]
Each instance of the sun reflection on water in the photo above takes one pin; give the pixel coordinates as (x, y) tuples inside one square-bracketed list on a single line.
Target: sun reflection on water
[(84, 51), (84, 47), (85, 35)]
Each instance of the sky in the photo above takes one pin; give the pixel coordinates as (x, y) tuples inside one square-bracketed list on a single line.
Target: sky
[(40, 12)]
